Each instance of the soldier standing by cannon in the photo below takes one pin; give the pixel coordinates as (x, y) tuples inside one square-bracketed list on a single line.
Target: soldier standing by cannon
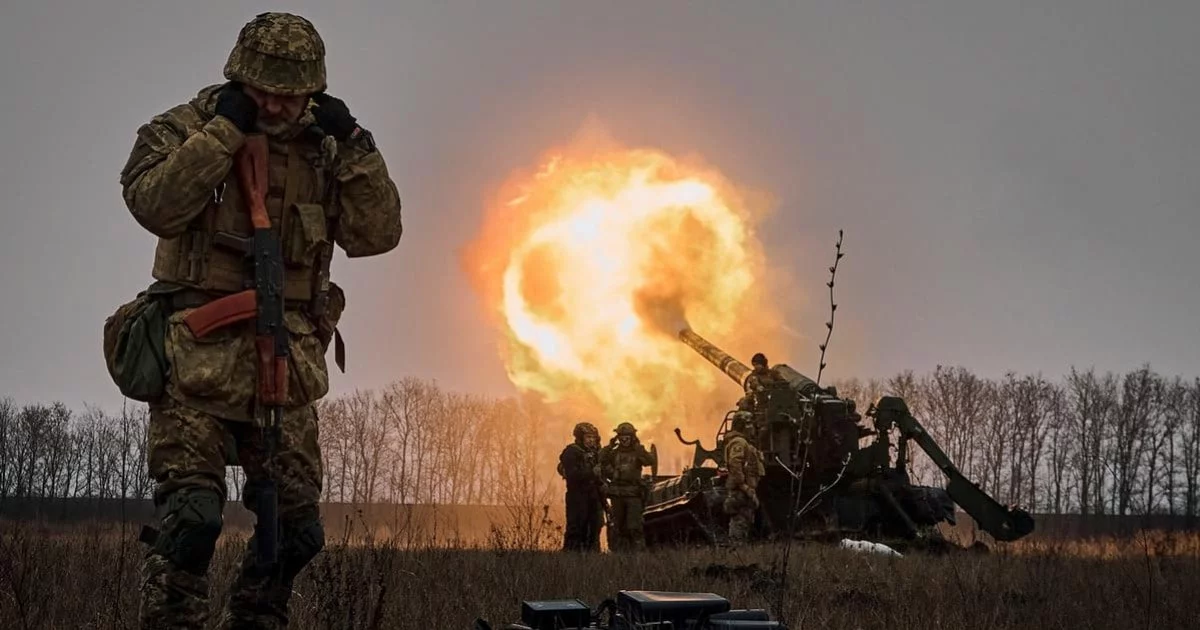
[(579, 465), (746, 467), (621, 465)]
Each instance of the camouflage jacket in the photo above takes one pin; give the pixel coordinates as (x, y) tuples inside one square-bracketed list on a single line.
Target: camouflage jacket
[(760, 379), (179, 184), (622, 468), (744, 461), (579, 466)]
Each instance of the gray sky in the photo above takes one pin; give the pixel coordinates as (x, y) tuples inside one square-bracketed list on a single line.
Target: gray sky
[(1018, 181)]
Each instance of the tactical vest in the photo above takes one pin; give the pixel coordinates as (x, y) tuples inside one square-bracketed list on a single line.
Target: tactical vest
[(626, 466), (211, 255)]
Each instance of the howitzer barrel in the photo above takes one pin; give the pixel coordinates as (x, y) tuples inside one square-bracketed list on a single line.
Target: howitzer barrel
[(735, 369)]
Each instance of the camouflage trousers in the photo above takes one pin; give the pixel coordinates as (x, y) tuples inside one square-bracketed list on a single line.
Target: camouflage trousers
[(625, 529), (740, 506), (186, 454)]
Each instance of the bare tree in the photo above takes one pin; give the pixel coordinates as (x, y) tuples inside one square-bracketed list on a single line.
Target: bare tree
[(1130, 429), (1174, 409), (8, 450), (1059, 438), (1190, 455), (957, 402), (1092, 400)]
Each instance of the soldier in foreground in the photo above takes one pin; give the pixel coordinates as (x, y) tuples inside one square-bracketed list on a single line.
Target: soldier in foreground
[(621, 464), (579, 465), (746, 467), (328, 185)]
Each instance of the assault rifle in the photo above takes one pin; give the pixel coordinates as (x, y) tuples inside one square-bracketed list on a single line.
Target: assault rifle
[(263, 301), (639, 610)]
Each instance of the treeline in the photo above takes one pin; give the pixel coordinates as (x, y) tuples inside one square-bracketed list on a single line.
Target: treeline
[(50, 451), (1088, 443)]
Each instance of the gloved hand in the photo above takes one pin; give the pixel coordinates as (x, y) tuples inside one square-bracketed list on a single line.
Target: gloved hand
[(237, 106), (333, 116)]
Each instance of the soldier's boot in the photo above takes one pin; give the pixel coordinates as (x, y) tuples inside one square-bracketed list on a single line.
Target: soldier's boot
[(175, 571), (739, 528), (259, 597)]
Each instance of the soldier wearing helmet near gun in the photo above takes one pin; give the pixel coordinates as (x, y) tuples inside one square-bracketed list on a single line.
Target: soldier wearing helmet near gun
[(579, 465), (745, 465), (621, 464), (326, 184)]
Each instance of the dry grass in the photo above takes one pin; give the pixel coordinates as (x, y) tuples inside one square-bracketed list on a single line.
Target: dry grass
[(88, 579)]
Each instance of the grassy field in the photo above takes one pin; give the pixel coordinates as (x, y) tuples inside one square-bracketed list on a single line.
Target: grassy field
[(87, 577)]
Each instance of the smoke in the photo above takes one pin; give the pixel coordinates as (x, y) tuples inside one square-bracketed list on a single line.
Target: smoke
[(662, 313)]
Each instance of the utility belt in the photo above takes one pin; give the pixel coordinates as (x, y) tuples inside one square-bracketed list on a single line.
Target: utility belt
[(187, 298), (324, 311)]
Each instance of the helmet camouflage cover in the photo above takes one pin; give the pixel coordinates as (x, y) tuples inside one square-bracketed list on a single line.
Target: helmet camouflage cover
[(585, 428), (625, 428), (280, 53)]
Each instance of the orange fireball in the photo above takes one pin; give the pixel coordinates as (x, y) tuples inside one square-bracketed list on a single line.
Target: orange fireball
[(577, 260)]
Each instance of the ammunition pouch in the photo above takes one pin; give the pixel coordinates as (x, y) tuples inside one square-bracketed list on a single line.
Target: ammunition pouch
[(134, 345), (308, 234)]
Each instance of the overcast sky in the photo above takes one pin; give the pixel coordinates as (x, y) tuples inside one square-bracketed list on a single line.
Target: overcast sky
[(1018, 181)]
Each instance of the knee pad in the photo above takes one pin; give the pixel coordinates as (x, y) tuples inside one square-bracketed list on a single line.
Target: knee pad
[(191, 524)]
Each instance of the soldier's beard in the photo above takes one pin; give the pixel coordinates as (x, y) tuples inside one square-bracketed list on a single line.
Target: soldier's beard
[(278, 127)]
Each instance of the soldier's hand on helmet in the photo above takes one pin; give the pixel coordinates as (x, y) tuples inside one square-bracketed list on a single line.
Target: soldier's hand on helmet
[(333, 116), (233, 103)]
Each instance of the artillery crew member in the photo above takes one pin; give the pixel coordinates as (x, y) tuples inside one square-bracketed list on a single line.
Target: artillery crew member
[(326, 185), (762, 375), (621, 464), (745, 464), (579, 465)]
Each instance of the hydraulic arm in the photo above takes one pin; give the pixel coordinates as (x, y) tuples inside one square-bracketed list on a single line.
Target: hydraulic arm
[(1001, 522)]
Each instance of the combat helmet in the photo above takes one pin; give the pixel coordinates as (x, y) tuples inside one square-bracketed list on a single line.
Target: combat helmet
[(740, 420), (759, 359), (280, 53), (625, 428), (585, 428)]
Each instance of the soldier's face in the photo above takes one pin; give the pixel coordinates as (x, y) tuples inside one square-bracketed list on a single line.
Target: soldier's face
[(625, 440), (276, 109), (590, 441)]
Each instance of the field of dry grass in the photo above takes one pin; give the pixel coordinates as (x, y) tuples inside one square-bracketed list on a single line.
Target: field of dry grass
[(87, 578)]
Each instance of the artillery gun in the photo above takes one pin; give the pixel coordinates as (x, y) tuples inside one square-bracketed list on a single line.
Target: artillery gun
[(824, 466)]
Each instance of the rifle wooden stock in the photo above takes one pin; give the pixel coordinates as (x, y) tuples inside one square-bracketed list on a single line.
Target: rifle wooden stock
[(251, 164), (222, 312), (272, 372)]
